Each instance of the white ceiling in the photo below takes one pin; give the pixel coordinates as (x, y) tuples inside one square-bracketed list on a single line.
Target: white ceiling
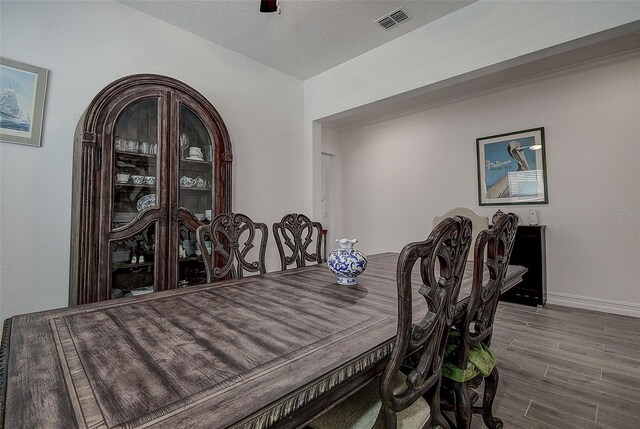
[(308, 38)]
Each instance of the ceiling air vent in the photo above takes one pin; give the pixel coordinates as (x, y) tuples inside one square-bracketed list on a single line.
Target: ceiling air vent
[(392, 19), (386, 22), (399, 16)]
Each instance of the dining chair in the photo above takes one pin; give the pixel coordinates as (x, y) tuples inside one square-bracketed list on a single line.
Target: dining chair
[(295, 234), (471, 361), (407, 401), (232, 237), (478, 223)]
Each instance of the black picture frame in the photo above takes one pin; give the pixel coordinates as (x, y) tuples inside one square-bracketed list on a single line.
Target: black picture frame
[(512, 168)]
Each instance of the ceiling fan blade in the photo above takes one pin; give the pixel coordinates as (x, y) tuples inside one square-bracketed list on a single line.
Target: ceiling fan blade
[(268, 6)]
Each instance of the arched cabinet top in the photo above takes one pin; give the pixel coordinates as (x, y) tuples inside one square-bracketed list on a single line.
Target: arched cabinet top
[(102, 104)]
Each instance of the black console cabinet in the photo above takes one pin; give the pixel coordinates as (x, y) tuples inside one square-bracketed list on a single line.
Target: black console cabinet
[(529, 250)]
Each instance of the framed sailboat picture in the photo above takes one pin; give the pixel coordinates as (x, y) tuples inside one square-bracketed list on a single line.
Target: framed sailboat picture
[(22, 92)]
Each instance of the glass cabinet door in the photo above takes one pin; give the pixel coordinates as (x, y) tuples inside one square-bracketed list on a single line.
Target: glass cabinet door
[(133, 264), (136, 199), (195, 172), (135, 153), (191, 270), (195, 194)]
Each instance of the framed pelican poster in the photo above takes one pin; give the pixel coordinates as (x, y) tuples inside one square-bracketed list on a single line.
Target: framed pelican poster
[(22, 91), (511, 168)]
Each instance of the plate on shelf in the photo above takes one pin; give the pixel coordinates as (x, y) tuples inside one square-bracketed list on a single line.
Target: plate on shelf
[(146, 202), (187, 182), (194, 158), (124, 217), (141, 291)]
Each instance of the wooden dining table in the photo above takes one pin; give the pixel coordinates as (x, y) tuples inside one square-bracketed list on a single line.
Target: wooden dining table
[(272, 350)]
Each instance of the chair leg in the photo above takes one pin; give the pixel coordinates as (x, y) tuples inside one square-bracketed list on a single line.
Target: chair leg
[(490, 389), (390, 419), (463, 409), (437, 419)]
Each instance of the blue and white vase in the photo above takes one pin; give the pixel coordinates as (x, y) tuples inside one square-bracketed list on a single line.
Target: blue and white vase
[(347, 262)]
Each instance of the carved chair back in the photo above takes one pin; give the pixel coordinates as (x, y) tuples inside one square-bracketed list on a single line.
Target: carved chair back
[(232, 237), (295, 236), (478, 223), (491, 259), (441, 259), (492, 250)]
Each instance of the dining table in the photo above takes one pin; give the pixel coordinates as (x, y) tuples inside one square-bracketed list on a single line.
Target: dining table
[(271, 350)]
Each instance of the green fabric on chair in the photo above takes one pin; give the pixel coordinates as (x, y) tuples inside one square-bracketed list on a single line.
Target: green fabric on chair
[(361, 409), (481, 360)]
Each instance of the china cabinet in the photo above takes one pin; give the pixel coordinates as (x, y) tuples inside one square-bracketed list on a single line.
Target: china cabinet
[(152, 162)]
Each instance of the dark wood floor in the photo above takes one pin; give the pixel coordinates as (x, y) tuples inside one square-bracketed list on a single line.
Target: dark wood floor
[(566, 368)]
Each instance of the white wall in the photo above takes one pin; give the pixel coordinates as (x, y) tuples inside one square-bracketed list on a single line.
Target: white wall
[(399, 173), (482, 35), (331, 146), (85, 46)]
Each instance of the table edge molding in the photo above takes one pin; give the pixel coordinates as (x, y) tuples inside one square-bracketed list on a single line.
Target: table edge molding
[(4, 364), (295, 401)]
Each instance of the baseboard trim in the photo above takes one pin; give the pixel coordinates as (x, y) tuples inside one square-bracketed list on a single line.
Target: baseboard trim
[(596, 304)]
